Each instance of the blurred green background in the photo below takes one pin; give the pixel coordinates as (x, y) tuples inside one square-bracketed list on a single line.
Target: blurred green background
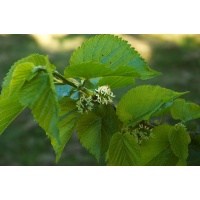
[(25, 143)]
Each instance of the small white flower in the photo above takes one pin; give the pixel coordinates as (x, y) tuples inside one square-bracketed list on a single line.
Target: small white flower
[(84, 104), (104, 95)]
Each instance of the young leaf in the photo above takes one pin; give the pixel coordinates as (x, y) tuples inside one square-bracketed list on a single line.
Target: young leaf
[(40, 95), (141, 102), (179, 140), (123, 150), (157, 151), (9, 109), (10, 106), (113, 52), (67, 121), (185, 111), (95, 130), (36, 59), (20, 74)]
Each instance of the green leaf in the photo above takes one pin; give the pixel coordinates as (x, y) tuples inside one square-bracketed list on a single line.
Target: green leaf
[(89, 133), (109, 125), (96, 71), (36, 59), (21, 73), (40, 95), (95, 130), (157, 150), (113, 52), (66, 125), (164, 109), (141, 102), (179, 140), (116, 82), (63, 91), (185, 111), (9, 110), (123, 150), (10, 106)]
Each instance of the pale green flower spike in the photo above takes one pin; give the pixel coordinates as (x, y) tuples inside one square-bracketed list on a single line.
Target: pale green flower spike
[(84, 104), (104, 95)]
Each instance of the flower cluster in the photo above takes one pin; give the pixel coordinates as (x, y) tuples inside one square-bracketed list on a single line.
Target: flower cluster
[(143, 132), (84, 104), (103, 95), (180, 125)]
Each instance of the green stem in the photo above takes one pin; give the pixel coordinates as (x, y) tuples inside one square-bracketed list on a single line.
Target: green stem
[(70, 81)]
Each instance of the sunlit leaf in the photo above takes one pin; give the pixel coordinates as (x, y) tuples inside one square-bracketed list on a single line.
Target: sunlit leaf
[(113, 52), (179, 140), (40, 95), (10, 106), (141, 102), (185, 111)]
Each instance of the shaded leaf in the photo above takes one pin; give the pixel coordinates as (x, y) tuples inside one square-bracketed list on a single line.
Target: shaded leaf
[(67, 121), (157, 150), (63, 91), (194, 152), (123, 150), (89, 133), (96, 128)]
